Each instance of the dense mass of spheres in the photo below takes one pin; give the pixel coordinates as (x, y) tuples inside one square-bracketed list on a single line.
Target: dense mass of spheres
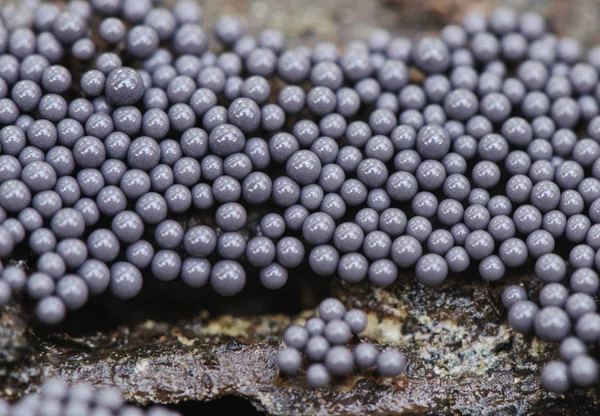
[(323, 341), (118, 116), (57, 398)]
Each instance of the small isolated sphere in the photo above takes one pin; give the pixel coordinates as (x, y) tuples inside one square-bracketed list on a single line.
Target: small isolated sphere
[(288, 360), (227, 277), (390, 363), (555, 377)]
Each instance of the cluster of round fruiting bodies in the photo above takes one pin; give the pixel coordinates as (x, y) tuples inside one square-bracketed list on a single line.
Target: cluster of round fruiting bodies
[(323, 340), (117, 119), (57, 398), (564, 315)]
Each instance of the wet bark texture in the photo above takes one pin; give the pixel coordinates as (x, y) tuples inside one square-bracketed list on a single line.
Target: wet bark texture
[(173, 345)]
